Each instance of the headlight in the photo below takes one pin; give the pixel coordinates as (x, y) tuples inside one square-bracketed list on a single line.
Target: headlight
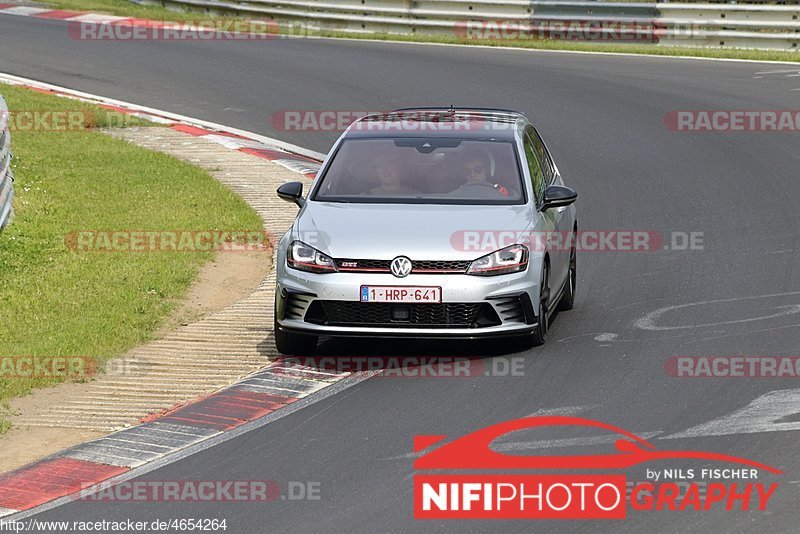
[(504, 261), (305, 258)]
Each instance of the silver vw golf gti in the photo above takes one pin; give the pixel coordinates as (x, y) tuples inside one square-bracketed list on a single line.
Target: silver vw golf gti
[(446, 223)]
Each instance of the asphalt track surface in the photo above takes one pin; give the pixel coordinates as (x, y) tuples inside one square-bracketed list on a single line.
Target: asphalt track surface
[(603, 119)]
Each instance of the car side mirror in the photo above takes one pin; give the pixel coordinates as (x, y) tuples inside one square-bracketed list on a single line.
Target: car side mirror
[(556, 196), (292, 192)]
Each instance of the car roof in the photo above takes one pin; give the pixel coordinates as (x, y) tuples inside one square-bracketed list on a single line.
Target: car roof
[(461, 123)]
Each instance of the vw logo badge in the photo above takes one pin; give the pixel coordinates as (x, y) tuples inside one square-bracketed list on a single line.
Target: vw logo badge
[(400, 266)]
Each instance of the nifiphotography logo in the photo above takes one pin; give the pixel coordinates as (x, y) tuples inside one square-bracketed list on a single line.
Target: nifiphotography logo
[(447, 495)]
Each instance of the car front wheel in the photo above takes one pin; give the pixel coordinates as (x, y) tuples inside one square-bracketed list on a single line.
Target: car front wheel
[(292, 344), (539, 335), (568, 298)]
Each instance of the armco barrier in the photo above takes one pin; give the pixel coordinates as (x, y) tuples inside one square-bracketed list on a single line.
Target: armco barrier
[(766, 25), (6, 177)]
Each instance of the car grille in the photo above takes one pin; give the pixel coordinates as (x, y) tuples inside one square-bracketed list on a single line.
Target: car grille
[(434, 265), (363, 265), (382, 314), (418, 266)]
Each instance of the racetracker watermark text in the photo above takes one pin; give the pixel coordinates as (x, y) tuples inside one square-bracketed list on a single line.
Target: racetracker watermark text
[(646, 31), (409, 366), (167, 241), (339, 120), (733, 366), (59, 120), (583, 240), (154, 30), (47, 366), (201, 491), (737, 120)]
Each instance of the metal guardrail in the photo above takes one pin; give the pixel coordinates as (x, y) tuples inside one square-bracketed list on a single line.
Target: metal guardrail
[(733, 25), (6, 176)]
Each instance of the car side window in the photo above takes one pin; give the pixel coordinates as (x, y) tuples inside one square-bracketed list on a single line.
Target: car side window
[(535, 168), (544, 157)]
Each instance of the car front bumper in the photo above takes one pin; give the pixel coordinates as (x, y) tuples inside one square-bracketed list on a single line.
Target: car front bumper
[(509, 296)]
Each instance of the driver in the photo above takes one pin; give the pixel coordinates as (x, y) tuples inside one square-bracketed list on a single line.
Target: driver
[(476, 170)]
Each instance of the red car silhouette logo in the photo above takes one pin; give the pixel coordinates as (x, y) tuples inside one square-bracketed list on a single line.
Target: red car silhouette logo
[(472, 451)]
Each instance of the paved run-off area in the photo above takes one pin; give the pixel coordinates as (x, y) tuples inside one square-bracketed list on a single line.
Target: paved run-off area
[(192, 361)]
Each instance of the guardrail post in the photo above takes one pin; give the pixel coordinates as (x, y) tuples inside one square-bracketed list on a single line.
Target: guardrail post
[(6, 175)]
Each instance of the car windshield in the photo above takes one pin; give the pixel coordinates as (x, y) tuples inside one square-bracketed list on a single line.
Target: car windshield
[(422, 171)]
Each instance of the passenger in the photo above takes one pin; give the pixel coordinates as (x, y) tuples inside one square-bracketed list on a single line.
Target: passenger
[(390, 172)]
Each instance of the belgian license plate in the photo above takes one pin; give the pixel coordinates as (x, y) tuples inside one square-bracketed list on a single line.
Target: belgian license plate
[(400, 294)]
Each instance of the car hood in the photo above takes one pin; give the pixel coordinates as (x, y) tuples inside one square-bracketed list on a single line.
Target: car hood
[(430, 232)]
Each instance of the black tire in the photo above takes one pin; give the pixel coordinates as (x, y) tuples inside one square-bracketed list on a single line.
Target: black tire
[(567, 301), (291, 344), (539, 336)]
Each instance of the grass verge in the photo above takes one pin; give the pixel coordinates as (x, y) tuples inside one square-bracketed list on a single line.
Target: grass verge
[(55, 301), (127, 8)]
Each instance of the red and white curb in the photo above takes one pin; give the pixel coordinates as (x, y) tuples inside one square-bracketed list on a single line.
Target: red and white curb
[(187, 28), (278, 386), (78, 468), (293, 162), (292, 157)]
